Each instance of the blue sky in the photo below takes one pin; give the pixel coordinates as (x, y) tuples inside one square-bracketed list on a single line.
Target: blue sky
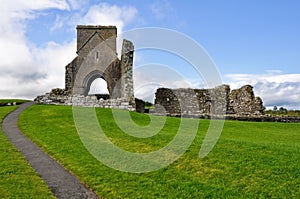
[(251, 42)]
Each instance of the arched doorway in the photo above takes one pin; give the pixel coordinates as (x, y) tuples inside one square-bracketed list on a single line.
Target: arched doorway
[(95, 84), (98, 86), (99, 89)]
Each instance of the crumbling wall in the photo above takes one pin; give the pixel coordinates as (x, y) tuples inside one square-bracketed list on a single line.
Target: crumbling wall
[(126, 70), (139, 105), (215, 101), (85, 101), (70, 75), (243, 102), (189, 101)]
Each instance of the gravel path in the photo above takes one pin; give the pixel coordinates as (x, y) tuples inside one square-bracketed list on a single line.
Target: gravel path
[(60, 181)]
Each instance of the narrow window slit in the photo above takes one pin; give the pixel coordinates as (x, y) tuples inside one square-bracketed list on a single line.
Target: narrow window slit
[(97, 56)]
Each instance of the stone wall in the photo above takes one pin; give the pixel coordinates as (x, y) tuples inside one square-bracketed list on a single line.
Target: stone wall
[(243, 101), (139, 105), (126, 69), (70, 75), (85, 101), (216, 101)]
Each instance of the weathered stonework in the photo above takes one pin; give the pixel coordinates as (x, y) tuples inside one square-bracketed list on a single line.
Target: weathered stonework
[(199, 102), (139, 105), (85, 101), (126, 69), (243, 102), (97, 58)]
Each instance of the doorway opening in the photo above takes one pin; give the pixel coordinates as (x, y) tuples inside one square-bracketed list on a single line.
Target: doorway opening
[(99, 89)]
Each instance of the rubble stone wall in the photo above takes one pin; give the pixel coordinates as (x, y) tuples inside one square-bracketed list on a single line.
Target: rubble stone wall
[(215, 101), (139, 105), (85, 101), (243, 101), (126, 69)]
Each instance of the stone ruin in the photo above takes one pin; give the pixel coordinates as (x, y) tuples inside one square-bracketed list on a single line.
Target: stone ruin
[(207, 102), (97, 58)]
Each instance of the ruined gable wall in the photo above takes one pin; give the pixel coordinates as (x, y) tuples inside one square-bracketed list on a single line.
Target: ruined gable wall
[(97, 58), (108, 33), (96, 49), (243, 101)]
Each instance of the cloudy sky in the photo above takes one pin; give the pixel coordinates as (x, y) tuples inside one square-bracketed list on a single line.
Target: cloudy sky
[(250, 42)]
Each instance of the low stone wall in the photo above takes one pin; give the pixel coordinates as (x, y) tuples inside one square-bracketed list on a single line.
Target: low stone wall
[(215, 101), (248, 118), (264, 118), (190, 102), (85, 101), (139, 105), (187, 101)]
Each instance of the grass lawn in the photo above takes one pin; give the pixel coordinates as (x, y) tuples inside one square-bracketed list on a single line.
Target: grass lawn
[(250, 160), (18, 179), (4, 102)]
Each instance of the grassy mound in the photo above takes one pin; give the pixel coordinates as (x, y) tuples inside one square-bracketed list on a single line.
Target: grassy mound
[(18, 179), (250, 160)]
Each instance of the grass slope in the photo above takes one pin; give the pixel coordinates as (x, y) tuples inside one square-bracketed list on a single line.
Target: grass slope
[(4, 102), (18, 179), (251, 160)]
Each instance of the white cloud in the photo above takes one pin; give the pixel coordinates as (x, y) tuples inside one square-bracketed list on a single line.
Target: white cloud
[(20, 71), (162, 9), (19, 5), (149, 77), (274, 87), (28, 70), (59, 23), (105, 14), (77, 4), (46, 71)]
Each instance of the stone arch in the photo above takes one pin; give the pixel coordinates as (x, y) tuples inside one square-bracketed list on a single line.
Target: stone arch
[(88, 80)]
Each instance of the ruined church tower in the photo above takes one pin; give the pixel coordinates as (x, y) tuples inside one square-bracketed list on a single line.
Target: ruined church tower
[(97, 58)]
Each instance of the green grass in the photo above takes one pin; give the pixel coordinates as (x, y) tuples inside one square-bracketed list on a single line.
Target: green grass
[(17, 178), (4, 102), (250, 160)]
